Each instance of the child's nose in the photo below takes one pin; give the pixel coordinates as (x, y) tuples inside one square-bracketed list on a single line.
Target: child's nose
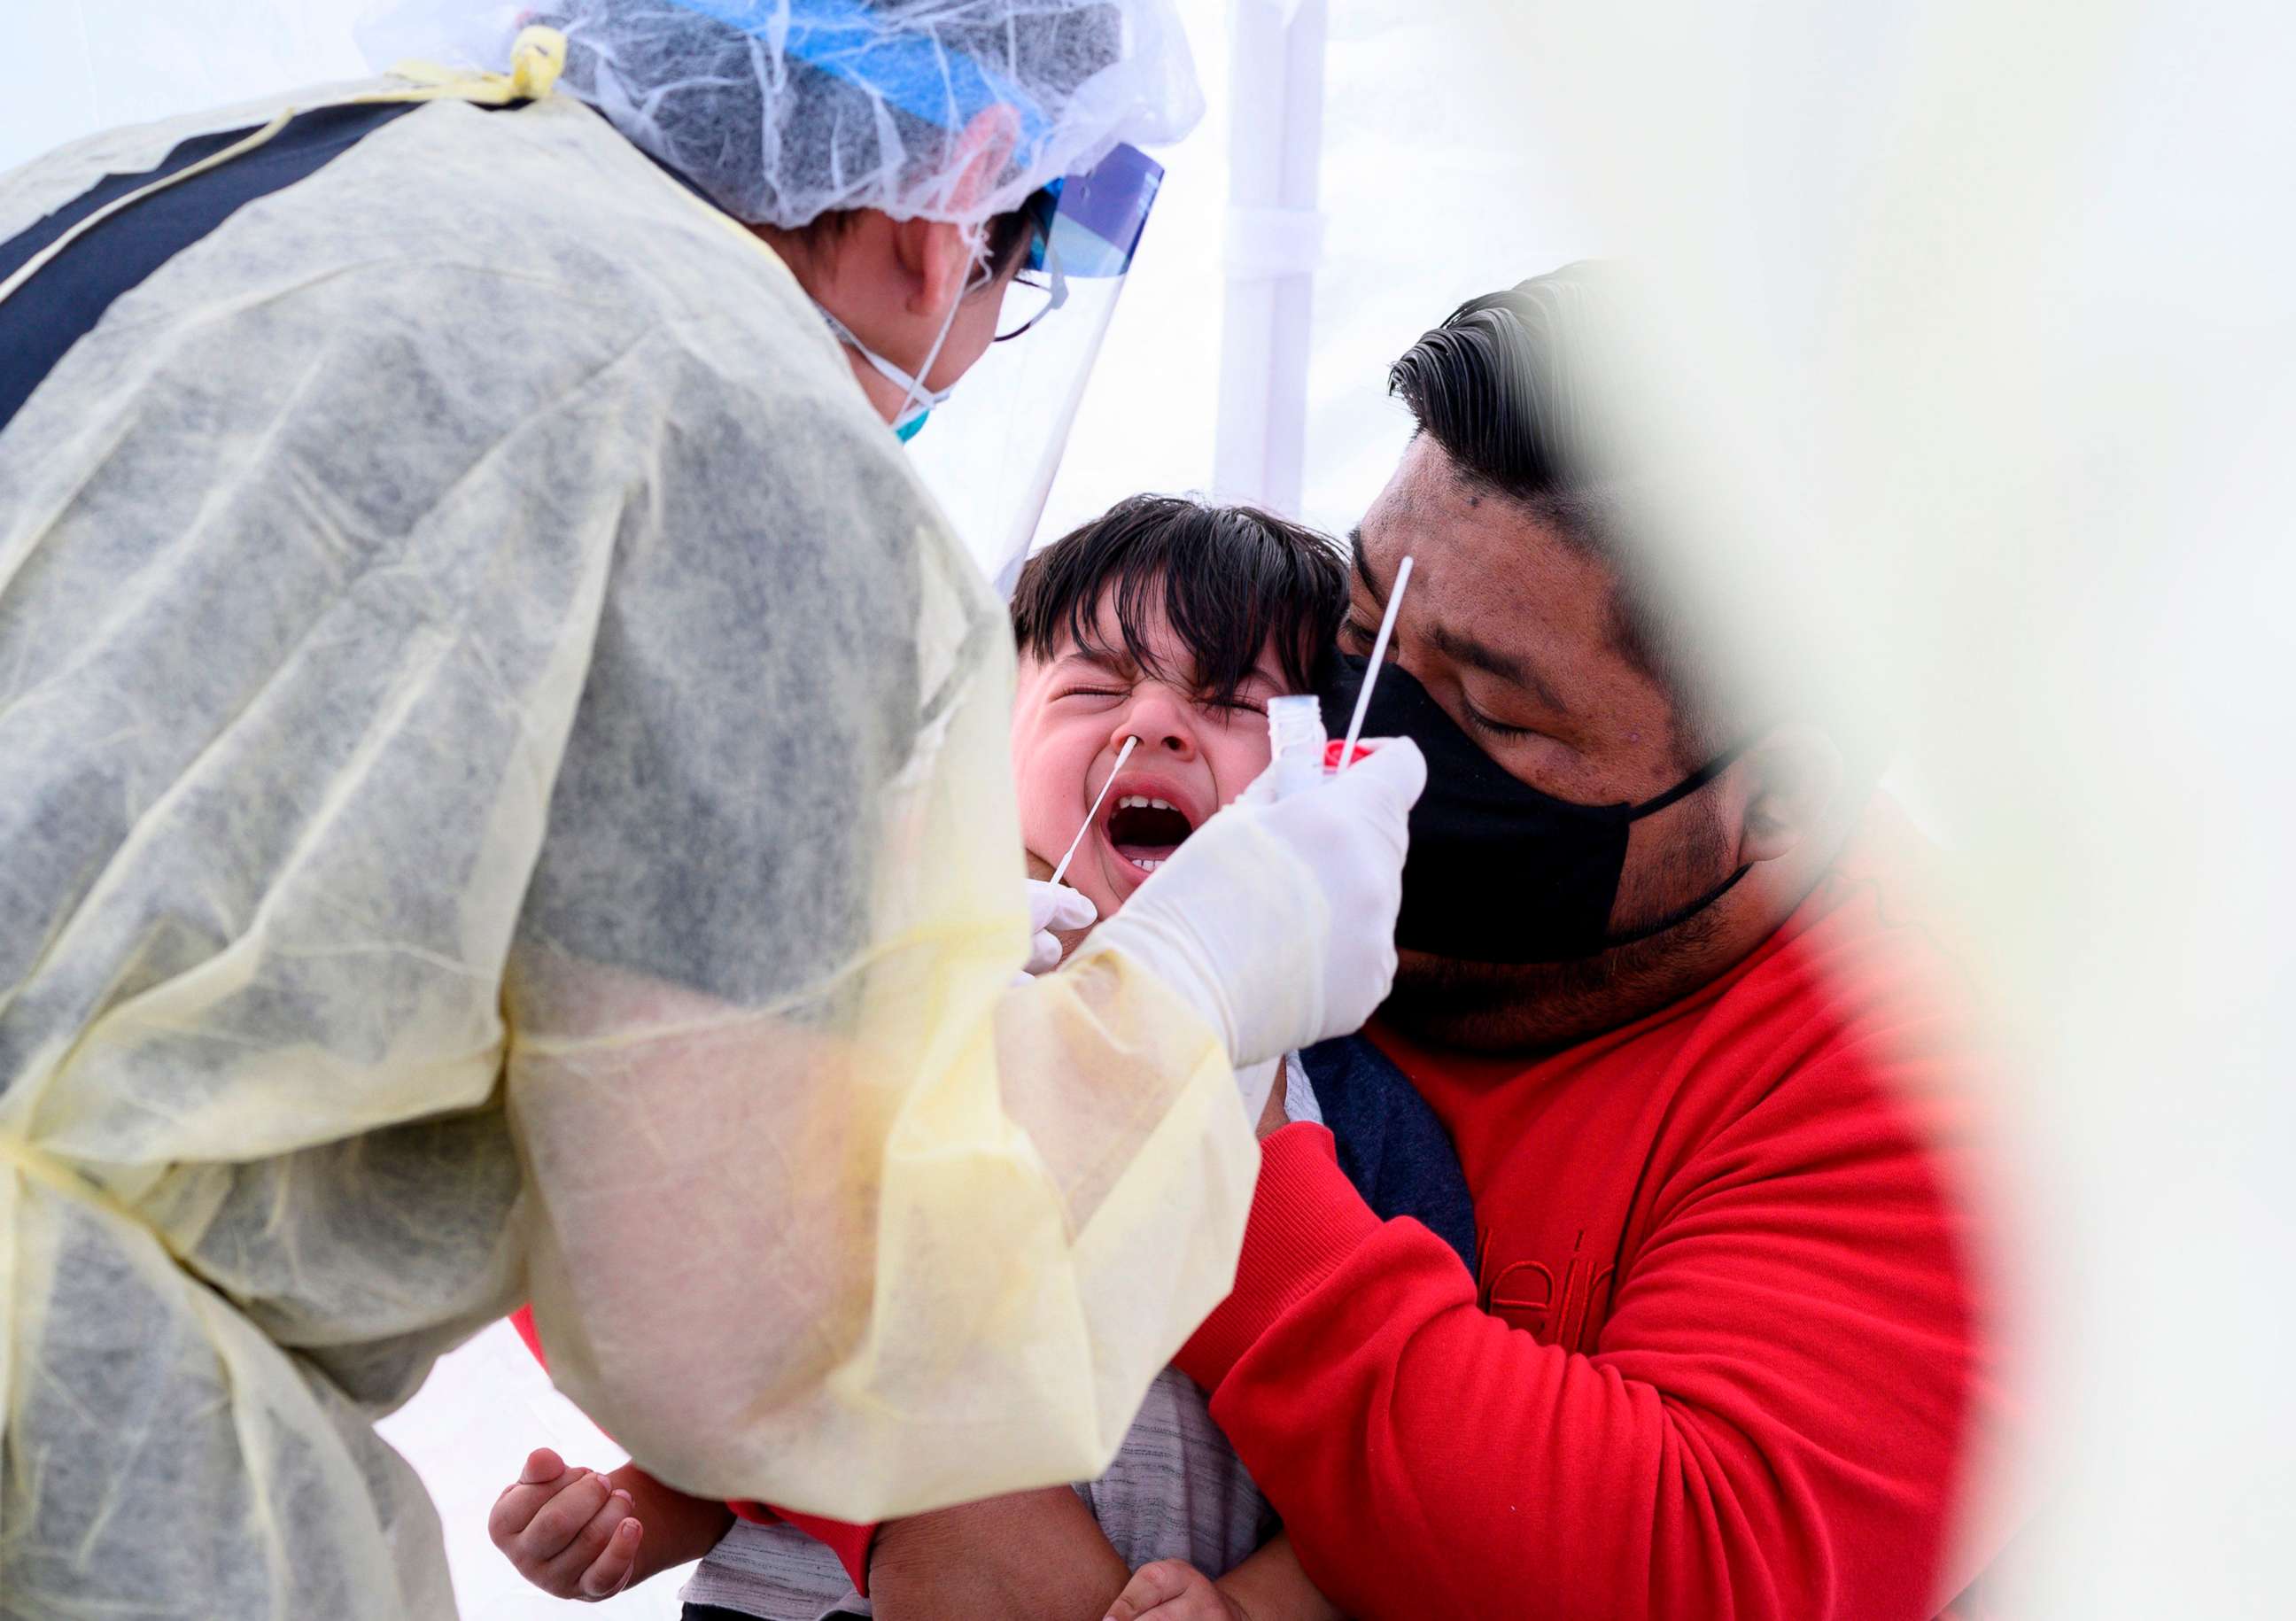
[(1160, 718)]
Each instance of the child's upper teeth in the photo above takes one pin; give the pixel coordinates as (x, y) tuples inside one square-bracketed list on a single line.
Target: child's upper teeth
[(1130, 802), (1160, 804)]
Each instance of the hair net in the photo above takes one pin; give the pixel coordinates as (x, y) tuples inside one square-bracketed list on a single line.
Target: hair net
[(782, 111), (506, 796)]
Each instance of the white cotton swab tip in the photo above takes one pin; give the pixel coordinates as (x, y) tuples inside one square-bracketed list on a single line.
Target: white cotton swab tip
[(1092, 815), (1378, 658)]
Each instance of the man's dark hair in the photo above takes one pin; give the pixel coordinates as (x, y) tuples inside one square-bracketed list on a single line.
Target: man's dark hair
[(1525, 391), (1510, 385), (1230, 579)]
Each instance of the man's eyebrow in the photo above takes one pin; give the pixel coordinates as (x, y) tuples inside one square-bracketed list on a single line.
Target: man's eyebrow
[(1481, 656), (1363, 566), (1465, 649)]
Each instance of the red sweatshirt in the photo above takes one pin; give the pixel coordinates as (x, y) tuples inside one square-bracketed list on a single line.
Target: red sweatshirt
[(1722, 1352)]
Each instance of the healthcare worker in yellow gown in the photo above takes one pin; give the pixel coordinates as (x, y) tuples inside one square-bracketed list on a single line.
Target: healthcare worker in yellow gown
[(504, 794)]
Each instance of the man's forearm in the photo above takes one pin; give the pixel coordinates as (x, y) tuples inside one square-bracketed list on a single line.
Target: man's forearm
[(1032, 1554), (1272, 1586)]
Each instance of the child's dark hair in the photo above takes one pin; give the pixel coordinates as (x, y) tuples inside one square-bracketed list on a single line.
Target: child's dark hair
[(1232, 579)]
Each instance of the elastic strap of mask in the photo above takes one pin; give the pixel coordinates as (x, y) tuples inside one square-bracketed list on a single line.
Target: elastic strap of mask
[(916, 398), (913, 390), (1696, 781), (1680, 915), (921, 398)]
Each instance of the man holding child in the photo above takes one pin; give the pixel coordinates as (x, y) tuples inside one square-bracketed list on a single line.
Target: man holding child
[(1723, 1346)]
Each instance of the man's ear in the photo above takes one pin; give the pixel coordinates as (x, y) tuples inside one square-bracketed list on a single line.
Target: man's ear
[(1794, 774), (937, 259)]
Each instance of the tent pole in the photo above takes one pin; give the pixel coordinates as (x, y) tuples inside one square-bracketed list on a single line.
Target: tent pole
[(1275, 241)]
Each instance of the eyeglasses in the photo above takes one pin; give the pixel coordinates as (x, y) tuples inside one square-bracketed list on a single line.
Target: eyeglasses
[(1039, 288), (1028, 298)]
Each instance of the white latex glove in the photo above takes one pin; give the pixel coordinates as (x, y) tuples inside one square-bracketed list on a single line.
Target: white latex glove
[(1276, 917), (1053, 906)]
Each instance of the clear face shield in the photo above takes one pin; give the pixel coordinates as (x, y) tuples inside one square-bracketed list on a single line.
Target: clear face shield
[(993, 450)]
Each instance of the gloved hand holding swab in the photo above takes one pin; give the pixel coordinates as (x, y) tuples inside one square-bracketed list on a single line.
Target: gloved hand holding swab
[(1378, 658), (1201, 925), (1092, 815)]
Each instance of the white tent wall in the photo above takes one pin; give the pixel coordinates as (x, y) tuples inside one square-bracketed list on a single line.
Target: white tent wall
[(1429, 197), (72, 68)]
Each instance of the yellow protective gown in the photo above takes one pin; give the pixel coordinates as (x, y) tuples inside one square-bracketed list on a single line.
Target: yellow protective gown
[(504, 788)]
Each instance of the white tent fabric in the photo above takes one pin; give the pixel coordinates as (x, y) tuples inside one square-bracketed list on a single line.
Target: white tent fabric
[(74, 68), (1430, 198)]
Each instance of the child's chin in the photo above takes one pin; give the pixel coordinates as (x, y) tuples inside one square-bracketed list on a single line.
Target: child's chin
[(1107, 890)]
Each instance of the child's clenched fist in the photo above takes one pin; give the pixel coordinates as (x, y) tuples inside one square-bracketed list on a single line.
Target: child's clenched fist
[(569, 1531)]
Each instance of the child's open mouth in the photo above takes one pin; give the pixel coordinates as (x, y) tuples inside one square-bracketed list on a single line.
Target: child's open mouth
[(1144, 829)]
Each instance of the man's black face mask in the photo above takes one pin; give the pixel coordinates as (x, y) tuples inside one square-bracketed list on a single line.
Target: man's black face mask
[(1499, 872)]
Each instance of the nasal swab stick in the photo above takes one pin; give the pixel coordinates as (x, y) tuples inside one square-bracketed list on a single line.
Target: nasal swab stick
[(1092, 815), (1378, 658)]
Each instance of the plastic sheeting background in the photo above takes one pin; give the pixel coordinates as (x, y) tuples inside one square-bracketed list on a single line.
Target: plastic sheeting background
[(2094, 683)]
